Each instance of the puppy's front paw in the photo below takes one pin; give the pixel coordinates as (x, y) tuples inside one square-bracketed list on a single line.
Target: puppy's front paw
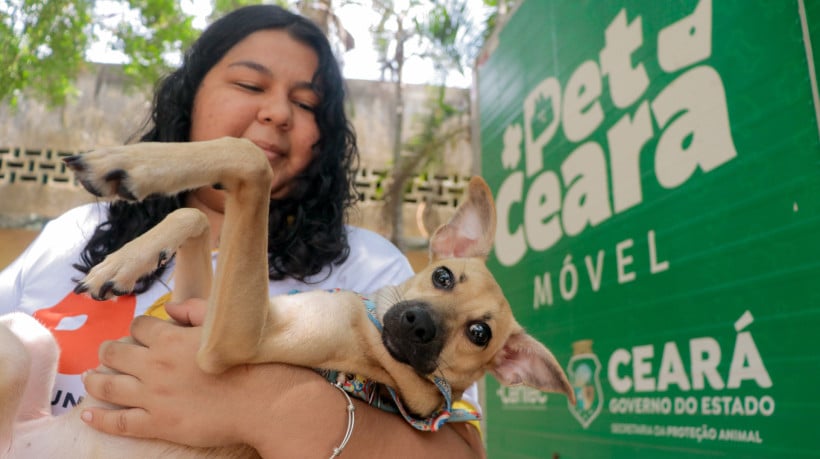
[(119, 273), (104, 173)]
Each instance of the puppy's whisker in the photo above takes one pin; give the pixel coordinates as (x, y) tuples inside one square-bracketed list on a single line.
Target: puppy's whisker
[(399, 296), (392, 295)]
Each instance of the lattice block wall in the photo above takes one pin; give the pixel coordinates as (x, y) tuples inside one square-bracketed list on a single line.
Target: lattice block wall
[(437, 190), (369, 184), (46, 167)]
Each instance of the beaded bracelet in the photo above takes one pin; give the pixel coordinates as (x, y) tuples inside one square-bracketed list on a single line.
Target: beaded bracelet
[(351, 421)]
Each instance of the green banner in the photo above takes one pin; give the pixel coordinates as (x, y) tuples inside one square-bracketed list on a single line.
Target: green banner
[(656, 168)]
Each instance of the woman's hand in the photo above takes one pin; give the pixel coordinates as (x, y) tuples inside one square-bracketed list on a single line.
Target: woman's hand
[(169, 396)]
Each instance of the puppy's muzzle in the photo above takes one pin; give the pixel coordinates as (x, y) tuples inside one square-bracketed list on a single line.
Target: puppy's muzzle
[(414, 334)]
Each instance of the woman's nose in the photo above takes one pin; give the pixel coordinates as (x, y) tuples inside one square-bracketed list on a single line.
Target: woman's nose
[(276, 111)]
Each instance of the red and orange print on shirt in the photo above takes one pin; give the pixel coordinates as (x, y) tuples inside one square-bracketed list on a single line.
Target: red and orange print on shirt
[(80, 324)]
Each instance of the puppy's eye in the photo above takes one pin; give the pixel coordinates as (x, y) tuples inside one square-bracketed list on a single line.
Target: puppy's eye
[(479, 333), (443, 278)]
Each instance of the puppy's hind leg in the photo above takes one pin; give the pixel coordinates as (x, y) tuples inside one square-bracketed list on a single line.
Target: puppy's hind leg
[(239, 304)]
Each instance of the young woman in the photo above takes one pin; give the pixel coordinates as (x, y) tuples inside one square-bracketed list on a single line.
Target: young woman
[(267, 75)]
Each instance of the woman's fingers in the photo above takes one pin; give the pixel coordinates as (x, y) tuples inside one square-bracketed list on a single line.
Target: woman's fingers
[(119, 389), (151, 331), (188, 312), (121, 422)]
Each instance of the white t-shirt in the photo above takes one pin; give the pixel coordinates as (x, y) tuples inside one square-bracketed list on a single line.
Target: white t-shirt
[(41, 282)]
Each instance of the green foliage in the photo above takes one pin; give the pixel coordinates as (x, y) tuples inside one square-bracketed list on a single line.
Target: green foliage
[(437, 129), (163, 28), (224, 6), (447, 33), (498, 10), (43, 44), (451, 40)]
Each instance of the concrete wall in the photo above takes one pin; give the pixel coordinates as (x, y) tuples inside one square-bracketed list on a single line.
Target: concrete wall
[(103, 113)]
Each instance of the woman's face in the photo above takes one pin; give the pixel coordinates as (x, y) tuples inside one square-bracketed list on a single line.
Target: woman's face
[(261, 90)]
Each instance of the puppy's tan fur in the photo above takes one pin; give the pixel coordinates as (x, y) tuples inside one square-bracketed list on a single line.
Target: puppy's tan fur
[(315, 329)]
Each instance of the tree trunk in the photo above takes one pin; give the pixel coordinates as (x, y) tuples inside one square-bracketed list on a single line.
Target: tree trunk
[(395, 195)]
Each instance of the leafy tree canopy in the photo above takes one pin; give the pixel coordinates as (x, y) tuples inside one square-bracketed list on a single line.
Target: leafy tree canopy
[(45, 42)]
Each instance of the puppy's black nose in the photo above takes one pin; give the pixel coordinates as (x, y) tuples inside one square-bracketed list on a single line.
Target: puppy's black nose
[(414, 334), (418, 325)]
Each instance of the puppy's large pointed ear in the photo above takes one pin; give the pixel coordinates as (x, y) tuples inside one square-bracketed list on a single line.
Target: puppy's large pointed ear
[(471, 231), (525, 361)]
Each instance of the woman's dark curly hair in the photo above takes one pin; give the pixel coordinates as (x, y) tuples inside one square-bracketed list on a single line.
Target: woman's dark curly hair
[(306, 229)]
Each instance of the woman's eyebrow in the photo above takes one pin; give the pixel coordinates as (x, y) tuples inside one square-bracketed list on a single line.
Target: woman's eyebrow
[(267, 72), (253, 66)]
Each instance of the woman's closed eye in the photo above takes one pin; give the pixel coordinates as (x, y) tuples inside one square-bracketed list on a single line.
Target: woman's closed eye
[(309, 106), (249, 86)]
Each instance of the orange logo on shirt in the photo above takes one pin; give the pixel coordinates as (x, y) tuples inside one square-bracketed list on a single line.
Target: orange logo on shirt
[(80, 324)]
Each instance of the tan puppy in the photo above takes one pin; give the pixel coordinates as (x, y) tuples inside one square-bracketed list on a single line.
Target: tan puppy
[(450, 321)]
